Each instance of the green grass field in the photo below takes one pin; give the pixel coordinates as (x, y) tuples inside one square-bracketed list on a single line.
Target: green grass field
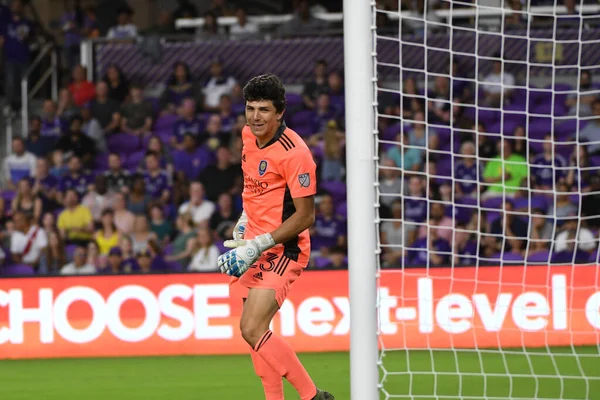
[(232, 378)]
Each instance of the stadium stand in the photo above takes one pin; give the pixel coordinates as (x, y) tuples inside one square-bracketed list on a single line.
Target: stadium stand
[(116, 179)]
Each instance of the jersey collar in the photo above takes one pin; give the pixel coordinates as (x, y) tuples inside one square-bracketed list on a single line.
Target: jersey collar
[(276, 137)]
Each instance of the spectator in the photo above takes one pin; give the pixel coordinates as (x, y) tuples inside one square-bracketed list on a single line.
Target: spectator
[(439, 222), (421, 135), (498, 84), (197, 207), (94, 257), (504, 174), (586, 96), (26, 202), (59, 168), (329, 230), (76, 179), (164, 26), (185, 9), (184, 243), (28, 243), (243, 29), (405, 156), (141, 234), (332, 167), (223, 177), (575, 238), (75, 222), (210, 31), (125, 29), (220, 8), (390, 184), (336, 87), (45, 185), (461, 87), (188, 123), (115, 260), (75, 142), (52, 125), (228, 118), (105, 110), (316, 86), (137, 114), (439, 108), (124, 218), (205, 253), (49, 222), (144, 260), (337, 258), (580, 171), (396, 236), (56, 256), (589, 203), (75, 25), (16, 36), (215, 136), (563, 206), (165, 157), (180, 86), (66, 105), (415, 205), (324, 112), (217, 85), (540, 231), (509, 230), (129, 263), (303, 22), (410, 99), (36, 144), (162, 227), (520, 142), (138, 199), (191, 160), (224, 218), (19, 164), (156, 179), (92, 129), (79, 266), (590, 134), (468, 172), (547, 168), (97, 199), (487, 148), (107, 236), (81, 89), (118, 86), (117, 178)]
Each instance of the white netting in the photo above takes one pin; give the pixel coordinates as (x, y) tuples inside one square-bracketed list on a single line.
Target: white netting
[(489, 199)]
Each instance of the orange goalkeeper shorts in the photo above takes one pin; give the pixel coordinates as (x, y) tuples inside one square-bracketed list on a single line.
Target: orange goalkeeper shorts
[(272, 270)]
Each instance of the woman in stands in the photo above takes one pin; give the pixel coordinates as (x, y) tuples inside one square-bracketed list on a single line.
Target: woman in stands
[(123, 217), (56, 256), (107, 236), (205, 253), (183, 245), (180, 86), (162, 228), (138, 200), (26, 202), (141, 234), (118, 87), (166, 159)]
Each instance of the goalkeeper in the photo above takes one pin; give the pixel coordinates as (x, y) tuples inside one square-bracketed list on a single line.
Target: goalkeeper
[(271, 245)]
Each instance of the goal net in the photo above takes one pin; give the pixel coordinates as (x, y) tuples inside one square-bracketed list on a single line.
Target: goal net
[(487, 157)]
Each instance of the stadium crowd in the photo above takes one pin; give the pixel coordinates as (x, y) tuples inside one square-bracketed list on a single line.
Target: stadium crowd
[(109, 180)]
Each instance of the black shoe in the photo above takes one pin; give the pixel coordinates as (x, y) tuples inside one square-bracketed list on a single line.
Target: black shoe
[(322, 395)]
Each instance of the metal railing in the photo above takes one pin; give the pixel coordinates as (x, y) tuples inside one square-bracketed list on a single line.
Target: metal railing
[(28, 93)]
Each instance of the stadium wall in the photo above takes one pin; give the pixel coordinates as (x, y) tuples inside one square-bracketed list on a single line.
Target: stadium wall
[(195, 313)]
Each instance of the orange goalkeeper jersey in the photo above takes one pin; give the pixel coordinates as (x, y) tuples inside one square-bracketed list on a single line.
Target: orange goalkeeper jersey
[(274, 175)]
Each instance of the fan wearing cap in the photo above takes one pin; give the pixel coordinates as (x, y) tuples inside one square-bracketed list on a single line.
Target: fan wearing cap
[(79, 266)]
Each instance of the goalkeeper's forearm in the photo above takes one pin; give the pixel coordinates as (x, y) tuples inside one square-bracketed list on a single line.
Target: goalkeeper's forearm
[(293, 226)]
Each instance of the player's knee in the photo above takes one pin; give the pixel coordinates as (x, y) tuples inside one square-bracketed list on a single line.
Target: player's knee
[(252, 331)]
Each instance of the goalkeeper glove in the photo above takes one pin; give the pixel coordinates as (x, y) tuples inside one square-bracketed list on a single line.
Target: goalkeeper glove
[(244, 253), (240, 227)]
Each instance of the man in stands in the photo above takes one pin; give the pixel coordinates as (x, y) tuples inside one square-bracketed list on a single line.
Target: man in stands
[(188, 123), (35, 143), (200, 209), (191, 159), (45, 185), (218, 85), (498, 84), (76, 142), (137, 114), (77, 179), (118, 179), (156, 179), (317, 85), (105, 110), (19, 164), (28, 243), (223, 177), (52, 125), (75, 223), (591, 133), (79, 266)]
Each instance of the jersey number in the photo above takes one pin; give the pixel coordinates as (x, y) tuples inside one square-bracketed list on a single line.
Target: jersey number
[(271, 257)]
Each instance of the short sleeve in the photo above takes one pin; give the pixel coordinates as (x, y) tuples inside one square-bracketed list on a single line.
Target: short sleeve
[(299, 172), (60, 224)]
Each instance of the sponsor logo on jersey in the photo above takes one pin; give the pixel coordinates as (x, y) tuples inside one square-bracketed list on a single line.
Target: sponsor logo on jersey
[(304, 180), (262, 167)]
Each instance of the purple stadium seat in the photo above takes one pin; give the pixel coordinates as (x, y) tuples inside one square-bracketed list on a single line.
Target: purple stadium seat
[(133, 160), (540, 127), (391, 132), (293, 100), (547, 108), (70, 251), (124, 143), (508, 257), (565, 129), (101, 161), (18, 270), (220, 246), (341, 209), (339, 103), (489, 117), (337, 190), (320, 262), (165, 122), (492, 202), (542, 256), (595, 161), (174, 266)]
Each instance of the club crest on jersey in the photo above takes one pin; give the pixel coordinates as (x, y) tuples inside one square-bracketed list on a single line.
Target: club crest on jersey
[(304, 180), (262, 167)]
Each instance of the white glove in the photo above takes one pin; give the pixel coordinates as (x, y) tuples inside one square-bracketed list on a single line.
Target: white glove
[(244, 253), (240, 227)]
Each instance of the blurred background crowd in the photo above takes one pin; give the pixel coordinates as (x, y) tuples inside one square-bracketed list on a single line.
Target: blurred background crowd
[(118, 177)]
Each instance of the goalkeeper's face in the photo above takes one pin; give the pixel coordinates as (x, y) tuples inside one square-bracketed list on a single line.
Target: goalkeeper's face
[(263, 118)]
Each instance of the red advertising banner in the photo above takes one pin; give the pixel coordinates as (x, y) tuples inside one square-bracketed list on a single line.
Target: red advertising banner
[(195, 314)]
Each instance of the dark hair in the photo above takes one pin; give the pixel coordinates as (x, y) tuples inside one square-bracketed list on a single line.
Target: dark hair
[(151, 153), (76, 118), (188, 73), (321, 62), (266, 87)]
